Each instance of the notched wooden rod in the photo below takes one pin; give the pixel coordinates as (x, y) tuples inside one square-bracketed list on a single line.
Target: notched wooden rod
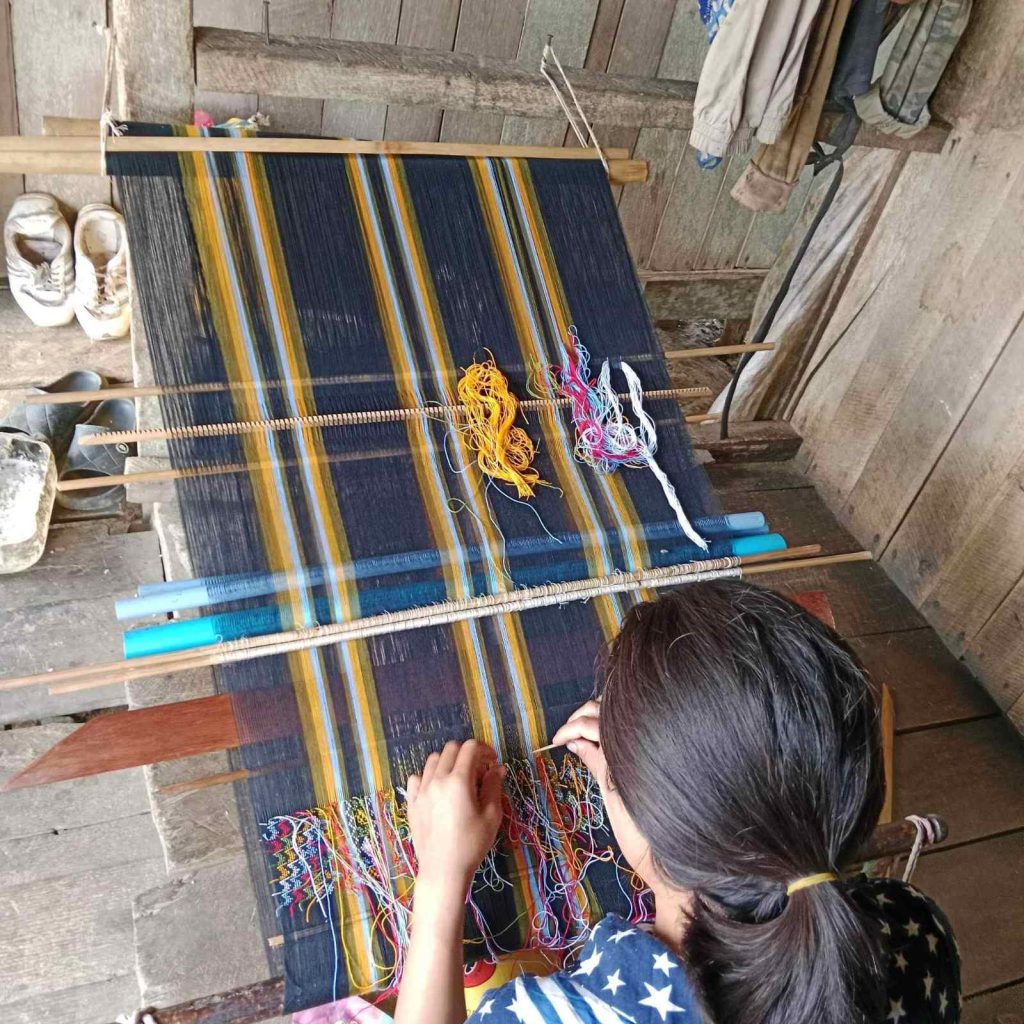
[(347, 419)]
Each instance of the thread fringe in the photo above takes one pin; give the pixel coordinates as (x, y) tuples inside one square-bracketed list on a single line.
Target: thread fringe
[(554, 826)]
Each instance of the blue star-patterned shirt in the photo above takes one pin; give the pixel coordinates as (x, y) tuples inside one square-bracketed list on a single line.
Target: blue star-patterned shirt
[(624, 975)]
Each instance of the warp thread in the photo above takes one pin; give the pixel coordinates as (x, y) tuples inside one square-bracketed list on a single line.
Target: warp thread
[(605, 439), (503, 450), (554, 817)]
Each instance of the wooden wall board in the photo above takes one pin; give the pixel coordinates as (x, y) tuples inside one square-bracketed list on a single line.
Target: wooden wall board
[(289, 17), (486, 30), (696, 294), (430, 24), (154, 76), (905, 290), (972, 774), (639, 43), (979, 575), (929, 685), (752, 477), (980, 886), (948, 375), (971, 468), (728, 223), (375, 22), (73, 83), (641, 208), (686, 217), (997, 652), (570, 22)]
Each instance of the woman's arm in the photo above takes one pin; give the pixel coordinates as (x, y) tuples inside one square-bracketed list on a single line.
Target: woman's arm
[(454, 813)]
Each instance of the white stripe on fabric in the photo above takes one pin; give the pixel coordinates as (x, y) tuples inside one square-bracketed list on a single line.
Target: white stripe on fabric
[(624, 529), (569, 1010), (603, 1012), (458, 563)]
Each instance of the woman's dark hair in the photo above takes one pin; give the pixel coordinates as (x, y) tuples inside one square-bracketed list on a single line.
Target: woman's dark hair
[(743, 736)]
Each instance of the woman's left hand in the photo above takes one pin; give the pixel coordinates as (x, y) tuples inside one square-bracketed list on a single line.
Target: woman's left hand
[(454, 813)]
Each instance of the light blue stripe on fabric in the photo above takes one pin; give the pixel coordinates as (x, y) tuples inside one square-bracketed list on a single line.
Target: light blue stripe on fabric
[(602, 484), (539, 353), (309, 484), (256, 375), (455, 547)]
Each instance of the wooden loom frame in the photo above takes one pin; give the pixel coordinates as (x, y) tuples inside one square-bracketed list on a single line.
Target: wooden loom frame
[(161, 60)]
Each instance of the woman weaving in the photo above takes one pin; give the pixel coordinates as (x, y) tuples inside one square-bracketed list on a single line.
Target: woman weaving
[(736, 744)]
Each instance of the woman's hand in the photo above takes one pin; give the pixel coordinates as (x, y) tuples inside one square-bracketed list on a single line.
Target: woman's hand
[(454, 814), (582, 735)]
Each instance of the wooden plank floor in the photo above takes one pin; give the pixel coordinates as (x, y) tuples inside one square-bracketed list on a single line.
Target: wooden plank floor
[(955, 754)]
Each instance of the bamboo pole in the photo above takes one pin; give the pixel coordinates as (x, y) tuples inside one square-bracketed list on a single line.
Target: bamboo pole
[(350, 419), (80, 154), (216, 387)]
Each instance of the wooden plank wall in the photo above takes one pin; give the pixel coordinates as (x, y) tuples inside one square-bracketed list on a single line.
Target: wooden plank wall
[(914, 427), (683, 219)]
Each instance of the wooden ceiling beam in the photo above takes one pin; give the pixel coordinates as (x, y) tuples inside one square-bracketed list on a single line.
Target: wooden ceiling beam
[(335, 69)]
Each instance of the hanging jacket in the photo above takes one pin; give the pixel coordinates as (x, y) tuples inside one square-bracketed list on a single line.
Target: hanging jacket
[(925, 39), (750, 73)]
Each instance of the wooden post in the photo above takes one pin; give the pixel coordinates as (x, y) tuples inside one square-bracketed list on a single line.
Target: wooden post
[(155, 70)]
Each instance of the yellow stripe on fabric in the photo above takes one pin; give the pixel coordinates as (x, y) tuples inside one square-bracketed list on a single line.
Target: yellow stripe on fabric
[(367, 711), (318, 733), (614, 486), (198, 187), (567, 472), (437, 339), (445, 533)]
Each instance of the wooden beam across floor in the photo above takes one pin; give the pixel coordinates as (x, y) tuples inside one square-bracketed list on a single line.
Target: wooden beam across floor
[(334, 69)]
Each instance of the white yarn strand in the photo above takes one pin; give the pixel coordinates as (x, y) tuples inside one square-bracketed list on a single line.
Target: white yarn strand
[(576, 117), (108, 126), (649, 436), (925, 836)]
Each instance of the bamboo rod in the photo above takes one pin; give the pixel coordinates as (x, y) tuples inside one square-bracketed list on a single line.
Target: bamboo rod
[(271, 144), (156, 476), (718, 350), (216, 387), (81, 154), (389, 622), (345, 419)]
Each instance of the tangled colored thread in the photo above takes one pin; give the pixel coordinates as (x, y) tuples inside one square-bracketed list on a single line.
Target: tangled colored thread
[(554, 828), (503, 450), (605, 439)]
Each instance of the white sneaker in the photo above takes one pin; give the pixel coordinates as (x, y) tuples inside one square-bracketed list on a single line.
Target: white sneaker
[(40, 269), (102, 302)]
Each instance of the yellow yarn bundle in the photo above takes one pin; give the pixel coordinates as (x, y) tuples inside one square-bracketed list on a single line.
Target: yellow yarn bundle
[(503, 450)]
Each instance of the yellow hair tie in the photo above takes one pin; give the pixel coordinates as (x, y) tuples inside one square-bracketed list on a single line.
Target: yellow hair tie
[(808, 880)]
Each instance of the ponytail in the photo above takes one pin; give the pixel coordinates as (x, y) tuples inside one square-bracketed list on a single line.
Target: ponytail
[(743, 737), (817, 961)]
